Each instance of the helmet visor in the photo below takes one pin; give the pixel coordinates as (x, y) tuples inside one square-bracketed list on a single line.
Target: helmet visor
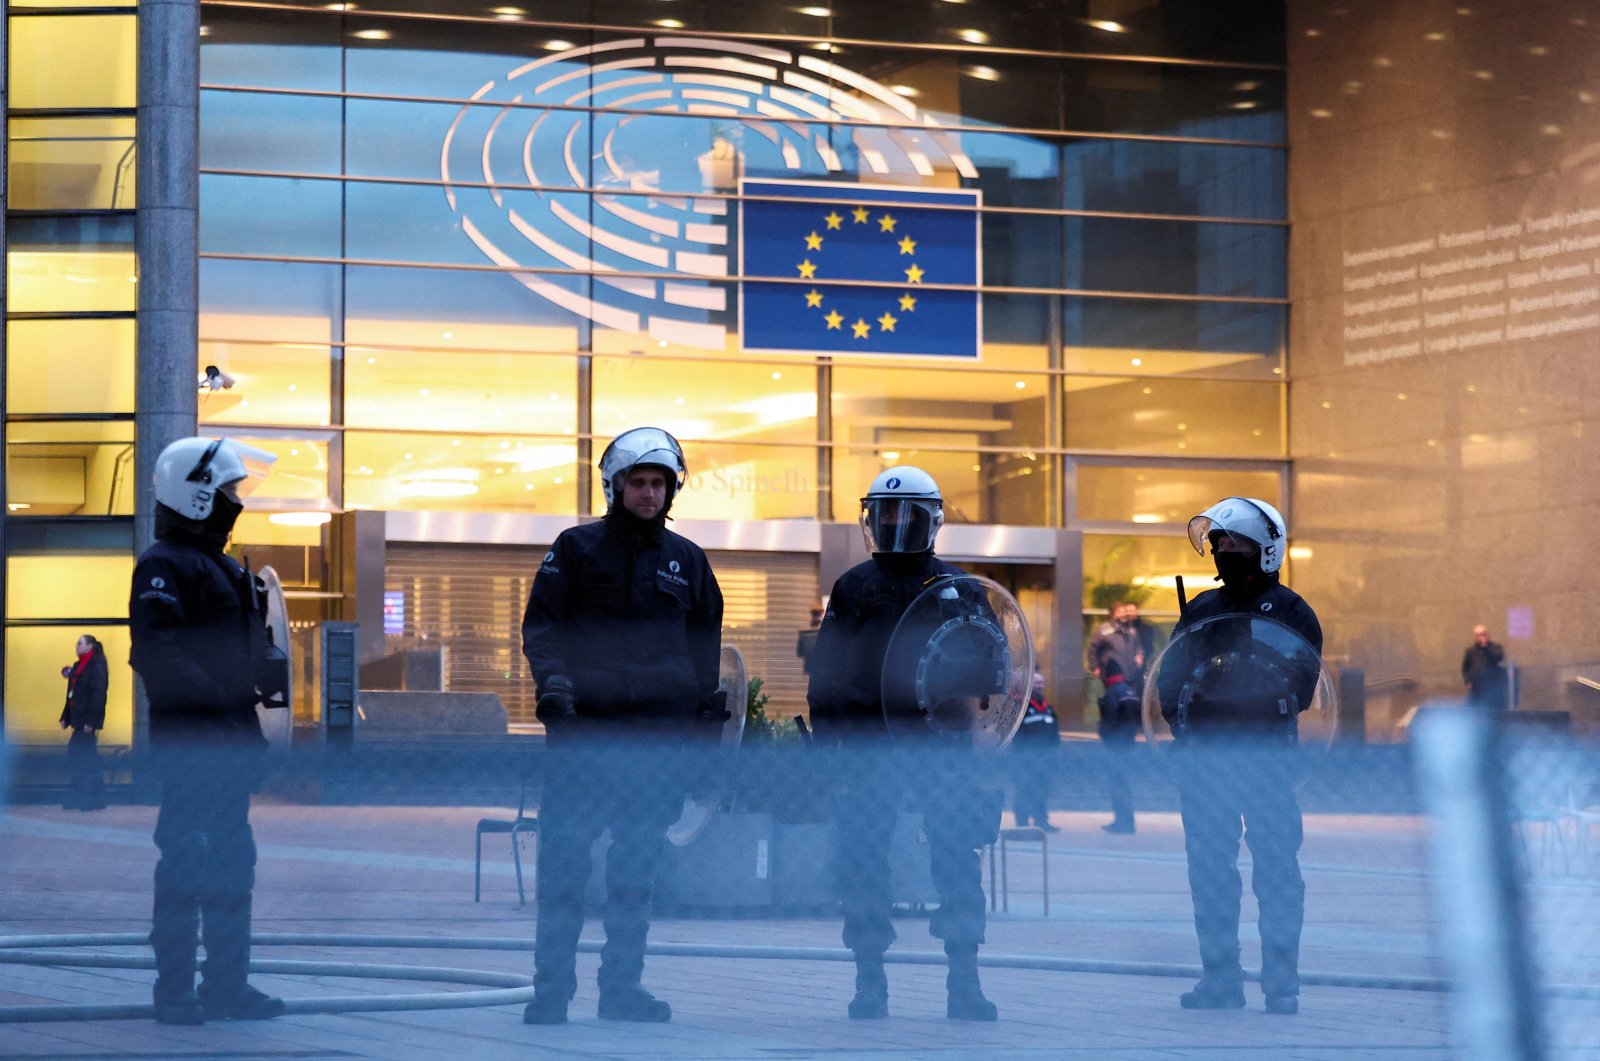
[(1203, 529), (898, 525)]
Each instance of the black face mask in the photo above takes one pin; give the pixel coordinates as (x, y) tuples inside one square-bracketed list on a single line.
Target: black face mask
[(1238, 570), (224, 514)]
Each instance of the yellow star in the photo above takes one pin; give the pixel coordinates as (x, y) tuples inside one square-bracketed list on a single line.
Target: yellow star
[(861, 328), (834, 319), (833, 219), (887, 323), (813, 297), (807, 270), (914, 274), (862, 213), (908, 303), (908, 246), (886, 223), (813, 242)]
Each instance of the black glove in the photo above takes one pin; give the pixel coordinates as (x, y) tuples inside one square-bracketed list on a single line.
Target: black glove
[(557, 704)]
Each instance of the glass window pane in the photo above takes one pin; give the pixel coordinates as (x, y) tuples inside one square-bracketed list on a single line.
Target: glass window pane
[(459, 390), (1178, 417), (1164, 495), (1176, 257), (732, 481), (73, 61), (392, 306), (69, 469), (484, 473), (1165, 100), (270, 216), (71, 264), (256, 301), (1143, 570), (745, 402), (1016, 488), (1241, 340), (85, 586), (979, 408), (270, 49), (269, 131), (71, 164), (36, 691), (273, 383), (1197, 180), (70, 366)]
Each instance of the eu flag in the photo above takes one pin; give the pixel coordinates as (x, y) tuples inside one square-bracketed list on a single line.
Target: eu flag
[(898, 241)]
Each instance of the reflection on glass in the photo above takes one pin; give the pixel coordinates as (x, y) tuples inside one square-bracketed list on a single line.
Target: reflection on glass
[(35, 689), (70, 366), (299, 477), (984, 408), (1163, 338), (79, 586), (69, 469), (1164, 495), (1195, 180), (450, 389), (1142, 569), (71, 264), (1175, 417), (494, 473), (740, 482), (1012, 488), (1176, 257), (270, 216), (73, 61), (485, 310), (728, 402), (284, 301), (71, 164), (270, 49), (273, 383)]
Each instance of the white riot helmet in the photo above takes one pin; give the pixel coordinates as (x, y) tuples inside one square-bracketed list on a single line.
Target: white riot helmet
[(192, 471), (1245, 519), (902, 512), (641, 446)]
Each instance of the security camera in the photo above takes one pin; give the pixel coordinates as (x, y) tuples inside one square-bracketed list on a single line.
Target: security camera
[(216, 379)]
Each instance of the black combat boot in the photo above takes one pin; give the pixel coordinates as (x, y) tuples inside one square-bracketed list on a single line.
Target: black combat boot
[(545, 1009), (1214, 993), (633, 1003), (966, 1001), (248, 1004), (872, 989)]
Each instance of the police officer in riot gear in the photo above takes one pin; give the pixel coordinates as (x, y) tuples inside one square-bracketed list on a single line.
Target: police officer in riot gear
[(200, 644), (1233, 705), (623, 633), (900, 516)]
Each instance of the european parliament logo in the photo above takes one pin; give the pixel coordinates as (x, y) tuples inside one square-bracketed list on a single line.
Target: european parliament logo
[(859, 269)]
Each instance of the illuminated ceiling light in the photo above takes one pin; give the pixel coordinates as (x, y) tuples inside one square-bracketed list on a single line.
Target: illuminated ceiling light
[(1586, 97), (824, 46), (1433, 36), (1463, 10), (1313, 33), (17, 506), (559, 46), (436, 488), (1137, 362), (338, 7), (1183, 427), (372, 361), (1401, 396), (817, 12), (507, 12), (1539, 50), (372, 34), (293, 387), (1321, 113), (300, 519), (677, 401), (1022, 384), (1108, 25), (1247, 86), (1149, 390), (1551, 129), (1299, 552), (983, 73), (205, 31), (1483, 75), (1244, 105), (669, 23), (973, 36), (1147, 517), (1383, 60), (777, 375), (905, 90), (449, 335), (890, 455)]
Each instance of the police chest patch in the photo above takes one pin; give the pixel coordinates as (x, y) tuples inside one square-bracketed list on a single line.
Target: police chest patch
[(672, 565), (551, 555), (1266, 606), (672, 576), (158, 583)]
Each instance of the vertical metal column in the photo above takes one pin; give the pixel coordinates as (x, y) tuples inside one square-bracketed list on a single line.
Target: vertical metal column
[(824, 439), (167, 235), (5, 256)]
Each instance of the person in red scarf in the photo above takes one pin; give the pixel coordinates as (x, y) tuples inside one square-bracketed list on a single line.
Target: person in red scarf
[(85, 716), (1034, 751)]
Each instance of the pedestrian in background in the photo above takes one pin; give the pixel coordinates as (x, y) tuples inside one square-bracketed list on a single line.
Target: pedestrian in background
[(1119, 656), (1483, 669), (1034, 752), (84, 716)]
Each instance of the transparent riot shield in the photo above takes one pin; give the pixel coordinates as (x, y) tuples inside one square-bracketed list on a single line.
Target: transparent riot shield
[(277, 718), (714, 778), (1241, 677), (959, 666)]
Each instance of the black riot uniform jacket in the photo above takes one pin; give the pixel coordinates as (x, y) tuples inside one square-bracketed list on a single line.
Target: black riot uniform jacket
[(1268, 599), (631, 614), (864, 608), (198, 625)]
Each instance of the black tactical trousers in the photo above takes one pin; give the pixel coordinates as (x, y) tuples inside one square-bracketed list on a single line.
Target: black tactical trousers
[(88, 778), (635, 788), (960, 815), (1222, 794), (1118, 739), (206, 872)]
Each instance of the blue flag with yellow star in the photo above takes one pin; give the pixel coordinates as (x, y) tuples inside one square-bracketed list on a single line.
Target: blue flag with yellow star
[(859, 269)]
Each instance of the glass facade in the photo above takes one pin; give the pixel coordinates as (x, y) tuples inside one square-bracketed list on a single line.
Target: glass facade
[(71, 292)]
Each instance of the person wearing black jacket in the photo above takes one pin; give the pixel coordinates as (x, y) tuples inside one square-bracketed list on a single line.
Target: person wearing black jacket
[(1483, 671), (1118, 656), (1236, 770), (1034, 752), (901, 515), (623, 634), (198, 625), (85, 716)]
